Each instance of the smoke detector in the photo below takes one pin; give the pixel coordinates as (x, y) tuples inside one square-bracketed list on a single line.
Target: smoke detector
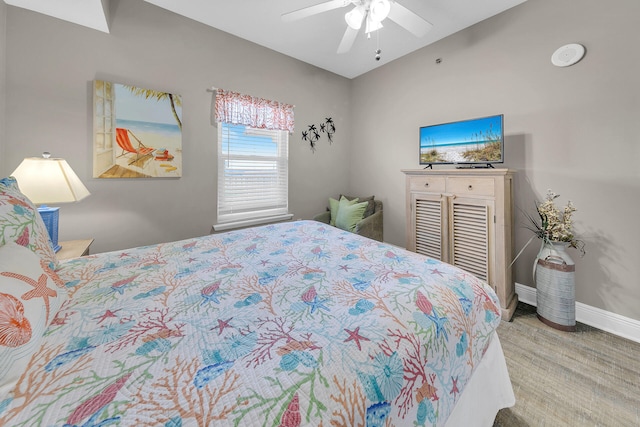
[(567, 55)]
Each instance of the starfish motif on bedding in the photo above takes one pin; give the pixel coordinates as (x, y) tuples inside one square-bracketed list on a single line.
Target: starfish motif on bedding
[(317, 304), (40, 289), (222, 324), (439, 322), (355, 336), (436, 271), (106, 315), (454, 389), (211, 297)]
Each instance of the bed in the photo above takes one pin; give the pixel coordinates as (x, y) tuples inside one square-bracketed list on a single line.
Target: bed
[(292, 324)]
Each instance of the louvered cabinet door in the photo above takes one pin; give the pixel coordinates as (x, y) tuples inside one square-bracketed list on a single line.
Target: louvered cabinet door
[(470, 231), (464, 217), (428, 218)]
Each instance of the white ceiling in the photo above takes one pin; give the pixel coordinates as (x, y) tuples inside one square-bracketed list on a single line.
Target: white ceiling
[(313, 40), (89, 13)]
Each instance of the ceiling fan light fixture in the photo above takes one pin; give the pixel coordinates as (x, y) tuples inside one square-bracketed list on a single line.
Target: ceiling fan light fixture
[(372, 25), (379, 10), (354, 17)]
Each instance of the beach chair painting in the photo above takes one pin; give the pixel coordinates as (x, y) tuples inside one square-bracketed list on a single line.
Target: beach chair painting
[(137, 132), (124, 142)]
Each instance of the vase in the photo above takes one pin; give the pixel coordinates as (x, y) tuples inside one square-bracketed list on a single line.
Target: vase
[(555, 284)]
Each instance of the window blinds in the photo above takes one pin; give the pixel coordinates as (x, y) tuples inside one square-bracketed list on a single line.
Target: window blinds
[(252, 172)]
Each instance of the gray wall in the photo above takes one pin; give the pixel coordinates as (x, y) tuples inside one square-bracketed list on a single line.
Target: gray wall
[(50, 68), (574, 130), (3, 45)]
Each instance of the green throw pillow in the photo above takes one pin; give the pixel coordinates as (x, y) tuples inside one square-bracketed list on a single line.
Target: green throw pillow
[(370, 209), (333, 207), (349, 215)]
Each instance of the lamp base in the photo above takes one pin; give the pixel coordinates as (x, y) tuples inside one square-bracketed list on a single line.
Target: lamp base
[(50, 218)]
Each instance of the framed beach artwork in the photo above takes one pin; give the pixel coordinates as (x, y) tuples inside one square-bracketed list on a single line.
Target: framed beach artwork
[(137, 132)]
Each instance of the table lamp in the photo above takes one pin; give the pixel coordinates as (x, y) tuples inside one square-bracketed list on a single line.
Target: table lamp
[(49, 180)]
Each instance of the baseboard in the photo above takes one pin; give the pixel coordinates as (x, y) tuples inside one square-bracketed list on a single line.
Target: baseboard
[(526, 294), (605, 320)]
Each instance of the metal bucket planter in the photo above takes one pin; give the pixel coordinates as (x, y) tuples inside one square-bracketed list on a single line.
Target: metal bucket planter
[(555, 283)]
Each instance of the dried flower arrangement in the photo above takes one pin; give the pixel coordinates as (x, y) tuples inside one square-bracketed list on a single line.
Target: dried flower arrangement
[(555, 225)]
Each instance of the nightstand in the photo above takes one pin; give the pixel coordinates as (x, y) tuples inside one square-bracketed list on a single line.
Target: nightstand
[(74, 249)]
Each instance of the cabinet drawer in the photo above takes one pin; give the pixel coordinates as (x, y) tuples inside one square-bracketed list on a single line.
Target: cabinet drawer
[(470, 186), (435, 184)]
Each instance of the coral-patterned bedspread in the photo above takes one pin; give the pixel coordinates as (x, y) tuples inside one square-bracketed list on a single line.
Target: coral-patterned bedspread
[(291, 324)]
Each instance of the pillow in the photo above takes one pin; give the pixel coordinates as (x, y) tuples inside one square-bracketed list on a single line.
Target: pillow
[(370, 208), (350, 214), (21, 223), (30, 295), (333, 207)]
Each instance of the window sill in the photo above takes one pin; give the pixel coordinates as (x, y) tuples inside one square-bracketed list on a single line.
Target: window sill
[(251, 222)]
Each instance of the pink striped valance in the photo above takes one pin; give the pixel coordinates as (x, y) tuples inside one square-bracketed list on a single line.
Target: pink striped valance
[(239, 109)]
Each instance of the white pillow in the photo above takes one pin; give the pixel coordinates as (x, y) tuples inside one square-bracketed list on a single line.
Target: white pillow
[(30, 295), (21, 222)]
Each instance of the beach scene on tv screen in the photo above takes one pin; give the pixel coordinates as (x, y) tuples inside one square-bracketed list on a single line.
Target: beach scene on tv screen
[(468, 141)]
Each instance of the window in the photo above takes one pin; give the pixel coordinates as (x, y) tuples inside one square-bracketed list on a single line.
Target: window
[(103, 116), (253, 159), (252, 172)]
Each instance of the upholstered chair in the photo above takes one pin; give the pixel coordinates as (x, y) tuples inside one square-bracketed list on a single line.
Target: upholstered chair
[(370, 226)]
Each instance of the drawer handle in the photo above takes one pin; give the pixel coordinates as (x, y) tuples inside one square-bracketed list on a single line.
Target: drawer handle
[(470, 187), (426, 184)]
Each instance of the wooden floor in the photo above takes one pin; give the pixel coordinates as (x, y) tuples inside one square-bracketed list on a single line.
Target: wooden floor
[(120, 172), (583, 378)]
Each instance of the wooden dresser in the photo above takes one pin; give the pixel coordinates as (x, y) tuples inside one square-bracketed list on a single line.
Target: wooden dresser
[(465, 217)]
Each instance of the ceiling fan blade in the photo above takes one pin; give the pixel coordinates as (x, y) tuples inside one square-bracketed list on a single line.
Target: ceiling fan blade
[(347, 40), (409, 20), (313, 10)]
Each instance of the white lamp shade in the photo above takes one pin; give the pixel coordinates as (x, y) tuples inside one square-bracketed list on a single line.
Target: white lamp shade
[(379, 10), (49, 180), (354, 17)]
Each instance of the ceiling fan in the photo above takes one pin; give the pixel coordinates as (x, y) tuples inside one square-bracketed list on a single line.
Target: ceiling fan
[(371, 12)]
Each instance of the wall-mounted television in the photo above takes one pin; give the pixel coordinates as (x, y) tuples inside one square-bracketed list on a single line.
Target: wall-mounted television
[(473, 142)]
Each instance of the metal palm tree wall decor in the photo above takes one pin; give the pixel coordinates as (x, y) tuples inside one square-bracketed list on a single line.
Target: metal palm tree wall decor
[(313, 132)]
